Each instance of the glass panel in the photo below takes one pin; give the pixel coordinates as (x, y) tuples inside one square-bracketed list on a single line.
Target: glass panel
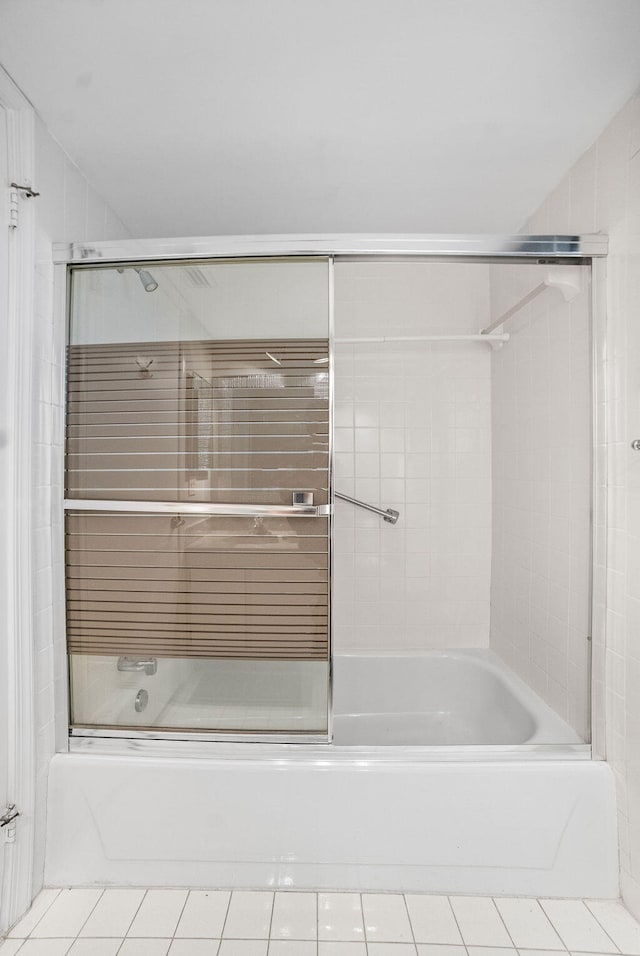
[(467, 622), (205, 384)]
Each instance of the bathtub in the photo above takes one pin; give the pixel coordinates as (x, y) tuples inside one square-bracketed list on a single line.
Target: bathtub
[(511, 805), (463, 698)]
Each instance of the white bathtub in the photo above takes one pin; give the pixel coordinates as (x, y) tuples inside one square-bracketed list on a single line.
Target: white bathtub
[(498, 819), (461, 698)]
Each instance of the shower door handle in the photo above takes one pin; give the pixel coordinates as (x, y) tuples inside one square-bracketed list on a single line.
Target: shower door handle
[(199, 508)]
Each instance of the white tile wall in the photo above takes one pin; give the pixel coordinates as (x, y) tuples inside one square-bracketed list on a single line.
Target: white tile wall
[(67, 210), (412, 433), (541, 428), (602, 192)]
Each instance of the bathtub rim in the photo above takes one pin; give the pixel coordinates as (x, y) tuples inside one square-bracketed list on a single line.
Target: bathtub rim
[(203, 747)]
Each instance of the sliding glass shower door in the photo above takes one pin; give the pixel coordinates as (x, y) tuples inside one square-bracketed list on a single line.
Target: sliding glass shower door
[(197, 487)]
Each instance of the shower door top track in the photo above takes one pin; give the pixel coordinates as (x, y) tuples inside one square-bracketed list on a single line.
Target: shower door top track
[(571, 247)]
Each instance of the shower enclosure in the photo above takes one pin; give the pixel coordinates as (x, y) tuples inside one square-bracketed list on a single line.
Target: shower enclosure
[(332, 491)]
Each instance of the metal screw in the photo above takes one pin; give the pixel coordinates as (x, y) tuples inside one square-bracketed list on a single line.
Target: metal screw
[(635, 444)]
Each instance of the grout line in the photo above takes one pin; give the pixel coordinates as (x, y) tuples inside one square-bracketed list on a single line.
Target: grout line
[(224, 922), (550, 921), (413, 935), (453, 913), (273, 906), (500, 916), (17, 923), (604, 929), (186, 900)]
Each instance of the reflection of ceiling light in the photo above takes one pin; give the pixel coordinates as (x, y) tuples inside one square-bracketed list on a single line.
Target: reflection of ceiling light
[(273, 358), (320, 361)]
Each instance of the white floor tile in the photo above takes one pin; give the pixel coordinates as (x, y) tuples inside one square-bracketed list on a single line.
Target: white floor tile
[(326, 948), (340, 917), (434, 949), (243, 947), (293, 947), (528, 925), (539, 952), (391, 949), (249, 916), (95, 947), (45, 947), (432, 920), (493, 951), (577, 927), (204, 914), (113, 914), (159, 914), (11, 946), (386, 918), (145, 947), (479, 921), (67, 914), (194, 947), (295, 916), (618, 923), (32, 917)]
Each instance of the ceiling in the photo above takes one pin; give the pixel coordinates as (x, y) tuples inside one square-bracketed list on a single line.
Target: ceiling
[(203, 117)]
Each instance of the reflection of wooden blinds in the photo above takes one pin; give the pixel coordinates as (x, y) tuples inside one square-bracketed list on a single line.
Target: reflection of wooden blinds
[(237, 422), (224, 422)]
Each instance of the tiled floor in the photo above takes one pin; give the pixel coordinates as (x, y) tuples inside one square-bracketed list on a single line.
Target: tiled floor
[(126, 922)]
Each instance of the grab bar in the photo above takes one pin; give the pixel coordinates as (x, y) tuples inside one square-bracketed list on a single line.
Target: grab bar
[(389, 515), (198, 508)]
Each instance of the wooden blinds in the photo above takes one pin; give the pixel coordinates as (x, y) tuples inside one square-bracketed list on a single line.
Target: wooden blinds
[(229, 422)]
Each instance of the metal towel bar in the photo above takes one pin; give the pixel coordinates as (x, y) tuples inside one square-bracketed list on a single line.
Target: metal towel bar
[(389, 514)]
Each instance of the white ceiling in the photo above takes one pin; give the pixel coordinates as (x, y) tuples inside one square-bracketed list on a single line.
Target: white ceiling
[(201, 117)]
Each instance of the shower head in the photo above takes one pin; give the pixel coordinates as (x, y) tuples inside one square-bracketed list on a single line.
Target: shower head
[(147, 280)]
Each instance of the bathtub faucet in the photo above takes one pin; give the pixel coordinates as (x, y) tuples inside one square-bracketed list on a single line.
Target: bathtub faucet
[(149, 665)]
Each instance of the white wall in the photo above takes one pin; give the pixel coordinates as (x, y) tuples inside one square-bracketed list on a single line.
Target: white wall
[(412, 433), (541, 445), (602, 192), (67, 210)]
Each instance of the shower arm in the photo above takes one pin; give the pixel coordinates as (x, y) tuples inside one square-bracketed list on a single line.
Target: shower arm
[(389, 514)]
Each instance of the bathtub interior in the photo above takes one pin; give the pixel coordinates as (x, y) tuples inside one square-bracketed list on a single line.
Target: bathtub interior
[(467, 623)]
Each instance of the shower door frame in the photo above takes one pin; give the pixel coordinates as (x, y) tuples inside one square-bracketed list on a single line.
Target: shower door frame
[(589, 250)]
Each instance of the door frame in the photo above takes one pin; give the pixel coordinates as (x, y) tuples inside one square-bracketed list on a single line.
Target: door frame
[(16, 886), (590, 249)]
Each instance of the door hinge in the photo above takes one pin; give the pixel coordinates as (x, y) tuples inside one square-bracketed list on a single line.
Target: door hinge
[(13, 208), (8, 821), (14, 195)]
